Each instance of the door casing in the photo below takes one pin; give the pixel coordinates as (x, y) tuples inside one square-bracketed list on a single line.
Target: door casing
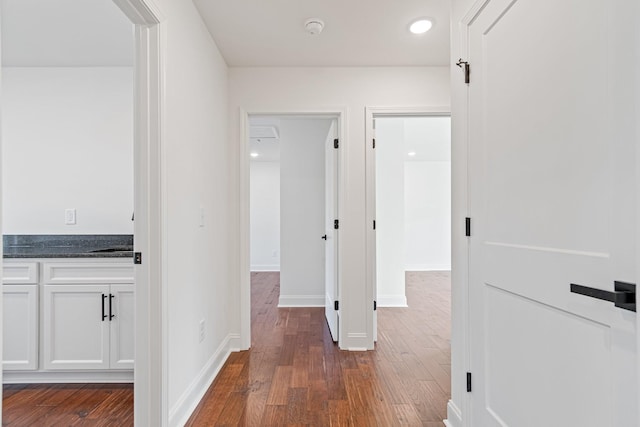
[(244, 167)]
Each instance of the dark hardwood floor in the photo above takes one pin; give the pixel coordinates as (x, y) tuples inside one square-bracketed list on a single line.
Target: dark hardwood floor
[(67, 405), (294, 375)]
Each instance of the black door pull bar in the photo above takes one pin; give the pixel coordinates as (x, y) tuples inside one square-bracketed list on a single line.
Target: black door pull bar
[(623, 296)]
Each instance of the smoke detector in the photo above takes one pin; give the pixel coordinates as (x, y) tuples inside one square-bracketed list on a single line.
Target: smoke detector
[(314, 26)]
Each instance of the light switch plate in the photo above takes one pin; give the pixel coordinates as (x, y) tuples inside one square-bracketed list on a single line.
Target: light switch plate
[(70, 216)]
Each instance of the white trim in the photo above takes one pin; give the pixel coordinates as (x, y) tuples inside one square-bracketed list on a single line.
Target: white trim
[(40, 377), (265, 268), (301, 301), (392, 301), (187, 403), (150, 227), (454, 416), (244, 166)]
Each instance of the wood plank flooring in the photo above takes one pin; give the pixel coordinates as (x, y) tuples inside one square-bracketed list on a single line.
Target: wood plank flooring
[(294, 375), (97, 405)]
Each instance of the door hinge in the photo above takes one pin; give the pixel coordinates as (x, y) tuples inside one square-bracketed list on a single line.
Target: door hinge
[(336, 305), (466, 67), (336, 143), (468, 382), (336, 224), (137, 258), (374, 143), (467, 226), (375, 305)]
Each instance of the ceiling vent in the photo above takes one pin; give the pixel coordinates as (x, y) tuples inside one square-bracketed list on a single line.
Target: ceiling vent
[(263, 132)]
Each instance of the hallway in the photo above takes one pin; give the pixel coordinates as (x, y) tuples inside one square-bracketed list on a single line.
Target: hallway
[(295, 375)]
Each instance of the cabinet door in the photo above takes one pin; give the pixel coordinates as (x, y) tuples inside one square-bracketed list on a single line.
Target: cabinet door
[(76, 334), (20, 327), (122, 304)]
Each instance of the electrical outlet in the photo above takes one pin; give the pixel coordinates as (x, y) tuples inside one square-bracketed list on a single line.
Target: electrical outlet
[(70, 216), (201, 330)]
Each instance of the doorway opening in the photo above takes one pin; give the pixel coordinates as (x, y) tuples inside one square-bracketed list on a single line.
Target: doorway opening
[(142, 20), (409, 206), (292, 172)]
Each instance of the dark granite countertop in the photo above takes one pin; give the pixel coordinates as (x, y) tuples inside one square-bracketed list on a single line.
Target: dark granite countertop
[(68, 246)]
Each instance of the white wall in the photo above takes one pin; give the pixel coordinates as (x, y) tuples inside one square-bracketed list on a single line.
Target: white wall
[(197, 165), (302, 220), (390, 212), (67, 141), (265, 216), (309, 89), (427, 219)]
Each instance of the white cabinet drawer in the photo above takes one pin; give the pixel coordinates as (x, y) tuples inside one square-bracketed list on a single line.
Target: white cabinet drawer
[(23, 273), (84, 273)]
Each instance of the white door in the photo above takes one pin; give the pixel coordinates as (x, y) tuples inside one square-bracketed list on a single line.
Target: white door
[(551, 197), (76, 327), (122, 307), (331, 236)]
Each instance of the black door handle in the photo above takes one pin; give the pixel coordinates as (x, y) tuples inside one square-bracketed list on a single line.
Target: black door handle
[(104, 316), (623, 296), (111, 315), (324, 237)]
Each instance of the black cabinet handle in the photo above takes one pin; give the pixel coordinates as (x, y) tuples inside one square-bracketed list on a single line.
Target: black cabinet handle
[(623, 296), (111, 315), (104, 316), (324, 237)]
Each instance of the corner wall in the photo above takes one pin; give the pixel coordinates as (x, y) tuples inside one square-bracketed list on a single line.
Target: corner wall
[(288, 90), (199, 225)]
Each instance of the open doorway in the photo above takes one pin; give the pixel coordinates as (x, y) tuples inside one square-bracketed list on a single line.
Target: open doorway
[(413, 201), (293, 186), (68, 202), (146, 79)]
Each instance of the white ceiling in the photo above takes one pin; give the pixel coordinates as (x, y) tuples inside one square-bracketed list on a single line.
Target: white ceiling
[(65, 33), (247, 32), (356, 33)]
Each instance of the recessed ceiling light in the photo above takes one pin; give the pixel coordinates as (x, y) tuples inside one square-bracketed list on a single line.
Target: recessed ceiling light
[(421, 26), (254, 154), (411, 153)]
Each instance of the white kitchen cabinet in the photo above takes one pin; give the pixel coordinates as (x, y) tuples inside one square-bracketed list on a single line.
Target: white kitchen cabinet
[(122, 331), (20, 327), (76, 336), (88, 326)]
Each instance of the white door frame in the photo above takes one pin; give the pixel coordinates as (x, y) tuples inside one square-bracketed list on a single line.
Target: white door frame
[(244, 164), (151, 367)]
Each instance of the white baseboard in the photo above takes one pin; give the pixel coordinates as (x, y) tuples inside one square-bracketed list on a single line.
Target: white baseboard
[(258, 268), (428, 267), (301, 301), (392, 301), (454, 415), (63, 377), (187, 403)]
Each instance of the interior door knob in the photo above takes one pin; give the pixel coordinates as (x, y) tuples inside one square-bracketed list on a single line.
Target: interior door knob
[(623, 296)]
